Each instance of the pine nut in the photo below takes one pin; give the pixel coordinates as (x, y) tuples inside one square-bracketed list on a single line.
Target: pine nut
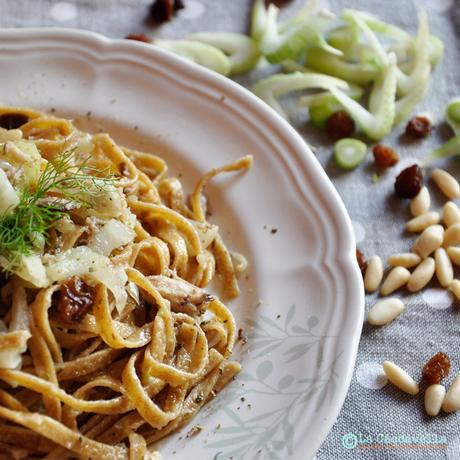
[(430, 240), (374, 274), (418, 224), (444, 269), (452, 236), (452, 399), (455, 288), (421, 203), (454, 254), (385, 311), (396, 278), (404, 259), (434, 396), (400, 378), (422, 275), (446, 183), (451, 214)]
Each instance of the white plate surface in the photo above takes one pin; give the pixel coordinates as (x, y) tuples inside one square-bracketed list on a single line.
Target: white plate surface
[(302, 338)]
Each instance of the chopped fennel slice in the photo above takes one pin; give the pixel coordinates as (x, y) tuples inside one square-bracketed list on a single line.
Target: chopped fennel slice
[(414, 86), (29, 268), (378, 121), (242, 51), (401, 37), (25, 158), (349, 153), (357, 73), (305, 13), (421, 57), (374, 43), (348, 40), (258, 20), (200, 53), (375, 24), (406, 104), (206, 231), (343, 37), (8, 197), (107, 205), (325, 97), (289, 39), (450, 148), (321, 106), (436, 50), (82, 260), (112, 235), (269, 89), (453, 115), (405, 52), (290, 66), (10, 358), (320, 42)]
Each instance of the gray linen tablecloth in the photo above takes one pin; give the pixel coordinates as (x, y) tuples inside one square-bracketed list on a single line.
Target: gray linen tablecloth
[(376, 416)]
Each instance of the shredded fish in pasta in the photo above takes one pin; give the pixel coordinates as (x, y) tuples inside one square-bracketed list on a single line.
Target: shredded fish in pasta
[(104, 349)]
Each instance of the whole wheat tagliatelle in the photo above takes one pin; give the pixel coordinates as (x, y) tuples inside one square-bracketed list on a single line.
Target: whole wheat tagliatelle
[(108, 339)]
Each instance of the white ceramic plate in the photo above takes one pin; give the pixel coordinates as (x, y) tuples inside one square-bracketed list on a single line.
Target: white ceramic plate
[(284, 215)]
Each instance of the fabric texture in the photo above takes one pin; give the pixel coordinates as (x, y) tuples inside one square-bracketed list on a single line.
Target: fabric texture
[(378, 416)]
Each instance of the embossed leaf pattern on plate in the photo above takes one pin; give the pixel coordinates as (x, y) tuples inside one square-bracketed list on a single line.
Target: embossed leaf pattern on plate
[(266, 431)]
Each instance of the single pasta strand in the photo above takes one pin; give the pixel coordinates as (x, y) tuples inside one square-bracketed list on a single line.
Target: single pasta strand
[(39, 309), (195, 198), (44, 367)]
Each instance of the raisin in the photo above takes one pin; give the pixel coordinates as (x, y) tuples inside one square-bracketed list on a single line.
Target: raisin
[(436, 368), (13, 120), (139, 38), (74, 299), (384, 156), (340, 125), (418, 127), (361, 261), (162, 10), (409, 182)]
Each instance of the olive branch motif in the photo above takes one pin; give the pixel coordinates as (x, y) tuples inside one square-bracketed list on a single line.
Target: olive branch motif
[(271, 434)]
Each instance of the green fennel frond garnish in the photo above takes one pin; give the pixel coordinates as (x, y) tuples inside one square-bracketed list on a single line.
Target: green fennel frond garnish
[(26, 229)]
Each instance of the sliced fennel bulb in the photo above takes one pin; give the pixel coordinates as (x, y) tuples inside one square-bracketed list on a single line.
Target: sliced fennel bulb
[(9, 199), (112, 235), (200, 53), (242, 51), (269, 89), (378, 121), (453, 115), (288, 40)]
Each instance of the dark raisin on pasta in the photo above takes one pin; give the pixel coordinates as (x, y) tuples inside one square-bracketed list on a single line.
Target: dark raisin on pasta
[(75, 299), (13, 120)]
